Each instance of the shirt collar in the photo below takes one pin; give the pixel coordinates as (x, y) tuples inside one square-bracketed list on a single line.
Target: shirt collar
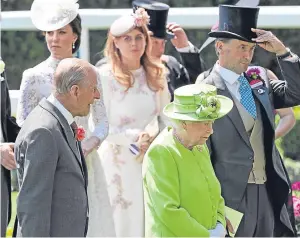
[(61, 108), (229, 76)]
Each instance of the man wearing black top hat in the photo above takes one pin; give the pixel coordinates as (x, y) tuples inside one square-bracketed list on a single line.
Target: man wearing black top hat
[(8, 133), (177, 75), (243, 152)]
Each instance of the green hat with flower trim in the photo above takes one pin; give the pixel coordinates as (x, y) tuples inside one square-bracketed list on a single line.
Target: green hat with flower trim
[(198, 102)]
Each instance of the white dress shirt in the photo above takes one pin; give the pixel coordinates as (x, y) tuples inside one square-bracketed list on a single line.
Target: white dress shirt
[(61, 108), (231, 80)]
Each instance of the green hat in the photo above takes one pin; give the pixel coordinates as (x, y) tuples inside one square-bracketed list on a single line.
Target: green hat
[(198, 102)]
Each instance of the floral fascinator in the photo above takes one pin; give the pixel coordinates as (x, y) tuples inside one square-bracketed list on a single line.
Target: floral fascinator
[(126, 23), (51, 15), (198, 102)]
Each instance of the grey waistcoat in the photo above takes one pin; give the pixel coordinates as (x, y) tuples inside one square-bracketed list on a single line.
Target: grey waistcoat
[(254, 129)]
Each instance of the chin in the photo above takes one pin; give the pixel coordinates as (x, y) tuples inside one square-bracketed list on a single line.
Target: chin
[(245, 67), (202, 141), (137, 54), (83, 114)]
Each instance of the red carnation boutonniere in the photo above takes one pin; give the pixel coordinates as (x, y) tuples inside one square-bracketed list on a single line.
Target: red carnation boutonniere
[(255, 79), (80, 133)]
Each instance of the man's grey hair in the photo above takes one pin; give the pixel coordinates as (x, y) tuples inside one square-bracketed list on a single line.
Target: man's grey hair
[(69, 72), (224, 40)]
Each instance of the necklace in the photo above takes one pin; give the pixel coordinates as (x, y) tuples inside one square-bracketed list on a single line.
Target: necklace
[(180, 141), (199, 147)]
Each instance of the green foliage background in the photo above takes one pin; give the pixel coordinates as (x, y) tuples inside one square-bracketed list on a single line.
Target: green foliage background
[(24, 49)]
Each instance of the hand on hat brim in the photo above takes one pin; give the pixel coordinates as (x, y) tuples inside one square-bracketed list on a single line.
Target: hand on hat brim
[(180, 39), (269, 42)]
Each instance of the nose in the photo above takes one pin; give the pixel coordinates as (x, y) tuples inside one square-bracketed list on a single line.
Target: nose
[(248, 55), (55, 36), (134, 42), (210, 129)]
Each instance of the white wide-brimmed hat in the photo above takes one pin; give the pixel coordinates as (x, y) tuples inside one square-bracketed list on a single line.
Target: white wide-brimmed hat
[(51, 15)]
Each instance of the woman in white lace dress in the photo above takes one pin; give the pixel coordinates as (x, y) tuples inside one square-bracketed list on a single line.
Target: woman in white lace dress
[(62, 35), (134, 91)]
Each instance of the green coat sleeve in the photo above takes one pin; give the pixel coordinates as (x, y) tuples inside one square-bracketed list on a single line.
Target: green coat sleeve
[(221, 208), (161, 185), (221, 212)]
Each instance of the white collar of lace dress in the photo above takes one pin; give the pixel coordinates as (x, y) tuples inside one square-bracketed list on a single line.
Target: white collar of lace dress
[(53, 62)]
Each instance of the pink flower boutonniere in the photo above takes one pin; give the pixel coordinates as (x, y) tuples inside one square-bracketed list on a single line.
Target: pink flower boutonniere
[(255, 79), (296, 199), (80, 133)]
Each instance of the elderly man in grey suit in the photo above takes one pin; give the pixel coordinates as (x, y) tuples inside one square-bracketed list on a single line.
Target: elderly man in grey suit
[(51, 168), (243, 153)]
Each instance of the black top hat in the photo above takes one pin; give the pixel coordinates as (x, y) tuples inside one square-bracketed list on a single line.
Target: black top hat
[(236, 23), (158, 13)]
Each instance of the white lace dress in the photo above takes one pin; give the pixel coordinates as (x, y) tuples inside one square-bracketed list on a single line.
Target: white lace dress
[(37, 84), (128, 114)]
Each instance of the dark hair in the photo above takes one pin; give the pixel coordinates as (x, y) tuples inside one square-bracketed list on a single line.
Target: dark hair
[(76, 27)]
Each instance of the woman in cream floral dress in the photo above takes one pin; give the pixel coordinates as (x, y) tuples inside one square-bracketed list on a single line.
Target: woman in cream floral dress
[(63, 39), (134, 91)]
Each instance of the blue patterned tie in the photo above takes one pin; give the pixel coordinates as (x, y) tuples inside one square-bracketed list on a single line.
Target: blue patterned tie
[(247, 99)]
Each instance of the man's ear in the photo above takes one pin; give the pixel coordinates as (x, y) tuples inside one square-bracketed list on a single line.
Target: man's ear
[(219, 46), (74, 90)]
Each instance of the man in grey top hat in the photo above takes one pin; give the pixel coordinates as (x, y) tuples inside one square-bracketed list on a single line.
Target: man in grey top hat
[(248, 165)]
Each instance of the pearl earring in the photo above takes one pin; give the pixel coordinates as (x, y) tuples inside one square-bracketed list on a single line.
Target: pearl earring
[(73, 45)]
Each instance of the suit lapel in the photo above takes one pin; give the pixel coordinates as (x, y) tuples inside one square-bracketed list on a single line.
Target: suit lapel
[(67, 131), (83, 164), (216, 79), (264, 100)]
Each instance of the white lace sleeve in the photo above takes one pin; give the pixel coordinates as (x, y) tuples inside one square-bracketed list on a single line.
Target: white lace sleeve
[(99, 115), (28, 98), (164, 99)]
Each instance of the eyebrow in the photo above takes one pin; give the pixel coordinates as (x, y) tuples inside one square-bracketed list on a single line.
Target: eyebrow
[(139, 34), (247, 46)]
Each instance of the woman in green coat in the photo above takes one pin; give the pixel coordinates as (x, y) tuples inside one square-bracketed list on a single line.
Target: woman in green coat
[(182, 194)]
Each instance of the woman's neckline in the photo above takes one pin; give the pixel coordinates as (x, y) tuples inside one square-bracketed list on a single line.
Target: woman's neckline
[(54, 61), (137, 71), (179, 141)]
